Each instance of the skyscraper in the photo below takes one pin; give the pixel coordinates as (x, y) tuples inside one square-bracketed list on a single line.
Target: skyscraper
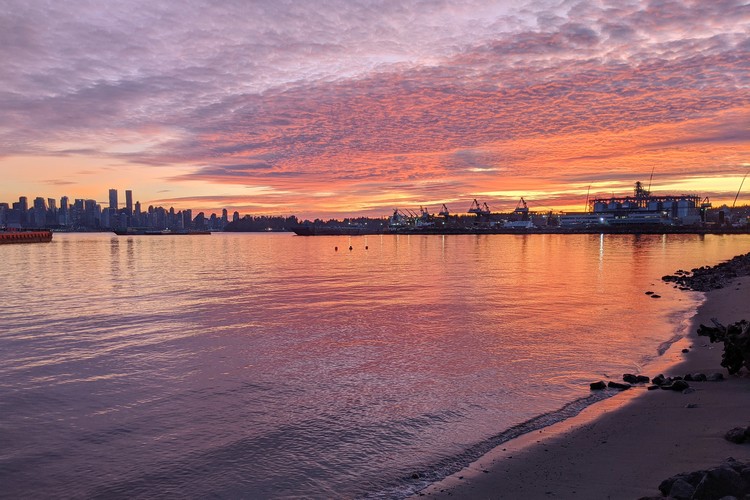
[(129, 201), (113, 198)]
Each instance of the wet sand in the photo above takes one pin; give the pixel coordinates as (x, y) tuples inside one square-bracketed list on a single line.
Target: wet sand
[(626, 445)]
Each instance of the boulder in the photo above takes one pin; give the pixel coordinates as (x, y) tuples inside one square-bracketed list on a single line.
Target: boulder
[(617, 385), (630, 378), (680, 385), (736, 435), (659, 379), (642, 379), (718, 483), (715, 377), (595, 386), (681, 490)]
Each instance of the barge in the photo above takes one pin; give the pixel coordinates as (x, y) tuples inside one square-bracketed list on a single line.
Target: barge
[(39, 236)]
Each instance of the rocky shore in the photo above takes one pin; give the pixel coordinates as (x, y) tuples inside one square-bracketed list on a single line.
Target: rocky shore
[(704, 279), (641, 443)]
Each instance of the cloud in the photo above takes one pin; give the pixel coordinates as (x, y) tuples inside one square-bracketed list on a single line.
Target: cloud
[(377, 98)]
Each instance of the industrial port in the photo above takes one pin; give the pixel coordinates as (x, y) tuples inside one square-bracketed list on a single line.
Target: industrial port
[(641, 212)]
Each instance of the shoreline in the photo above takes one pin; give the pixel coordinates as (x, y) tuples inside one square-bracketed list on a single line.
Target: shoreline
[(626, 445)]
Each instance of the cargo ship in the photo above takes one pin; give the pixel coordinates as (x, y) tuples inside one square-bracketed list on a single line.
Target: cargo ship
[(39, 236)]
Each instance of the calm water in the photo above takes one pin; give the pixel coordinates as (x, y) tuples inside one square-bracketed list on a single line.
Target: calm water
[(270, 365)]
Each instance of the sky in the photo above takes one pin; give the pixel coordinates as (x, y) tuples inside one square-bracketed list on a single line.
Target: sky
[(338, 108)]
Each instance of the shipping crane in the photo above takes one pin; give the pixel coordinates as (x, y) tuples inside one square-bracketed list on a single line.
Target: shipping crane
[(522, 207), (478, 209), (738, 191), (444, 212)]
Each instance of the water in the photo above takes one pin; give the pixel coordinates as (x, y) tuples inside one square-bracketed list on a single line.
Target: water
[(271, 365)]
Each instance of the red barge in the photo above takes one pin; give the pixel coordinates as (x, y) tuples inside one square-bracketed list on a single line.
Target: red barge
[(40, 236)]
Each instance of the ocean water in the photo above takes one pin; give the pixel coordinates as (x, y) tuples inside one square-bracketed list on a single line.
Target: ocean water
[(275, 366)]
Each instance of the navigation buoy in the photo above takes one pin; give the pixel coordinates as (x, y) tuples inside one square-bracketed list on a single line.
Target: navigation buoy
[(336, 248), (366, 247), (350, 247)]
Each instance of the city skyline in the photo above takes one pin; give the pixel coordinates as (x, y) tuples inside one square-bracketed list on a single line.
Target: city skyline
[(356, 108), (85, 214)]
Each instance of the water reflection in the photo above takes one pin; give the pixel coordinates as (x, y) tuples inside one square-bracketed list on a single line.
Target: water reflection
[(254, 364)]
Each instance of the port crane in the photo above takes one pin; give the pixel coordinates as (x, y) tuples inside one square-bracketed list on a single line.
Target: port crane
[(444, 212), (478, 209), (522, 207), (738, 191)]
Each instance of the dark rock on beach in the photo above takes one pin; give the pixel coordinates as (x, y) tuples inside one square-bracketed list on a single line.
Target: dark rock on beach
[(618, 385), (730, 479), (675, 385), (680, 385), (595, 386), (736, 435), (635, 379)]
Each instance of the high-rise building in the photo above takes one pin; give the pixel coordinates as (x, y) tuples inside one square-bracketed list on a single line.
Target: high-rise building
[(113, 198), (129, 201), (39, 217), (63, 215)]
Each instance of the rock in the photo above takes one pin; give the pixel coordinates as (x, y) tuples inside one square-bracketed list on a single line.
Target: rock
[(718, 483), (679, 385), (681, 490), (649, 292), (736, 435), (691, 405), (595, 386), (689, 390), (715, 377), (655, 296), (630, 378), (659, 379), (617, 385), (642, 379), (685, 350), (688, 377), (699, 377), (652, 387)]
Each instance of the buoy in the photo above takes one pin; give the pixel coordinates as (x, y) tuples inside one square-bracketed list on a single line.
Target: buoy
[(366, 247), (350, 247), (336, 248)]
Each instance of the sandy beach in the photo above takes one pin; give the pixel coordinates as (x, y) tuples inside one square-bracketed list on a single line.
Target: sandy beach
[(625, 446)]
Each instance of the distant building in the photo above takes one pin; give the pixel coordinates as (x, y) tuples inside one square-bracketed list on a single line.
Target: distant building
[(129, 201), (113, 199)]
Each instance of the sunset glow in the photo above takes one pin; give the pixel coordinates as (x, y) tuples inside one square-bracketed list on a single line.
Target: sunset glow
[(342, 108)]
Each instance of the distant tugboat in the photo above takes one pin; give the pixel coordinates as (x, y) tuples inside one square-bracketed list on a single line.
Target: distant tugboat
[(39, 236)]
